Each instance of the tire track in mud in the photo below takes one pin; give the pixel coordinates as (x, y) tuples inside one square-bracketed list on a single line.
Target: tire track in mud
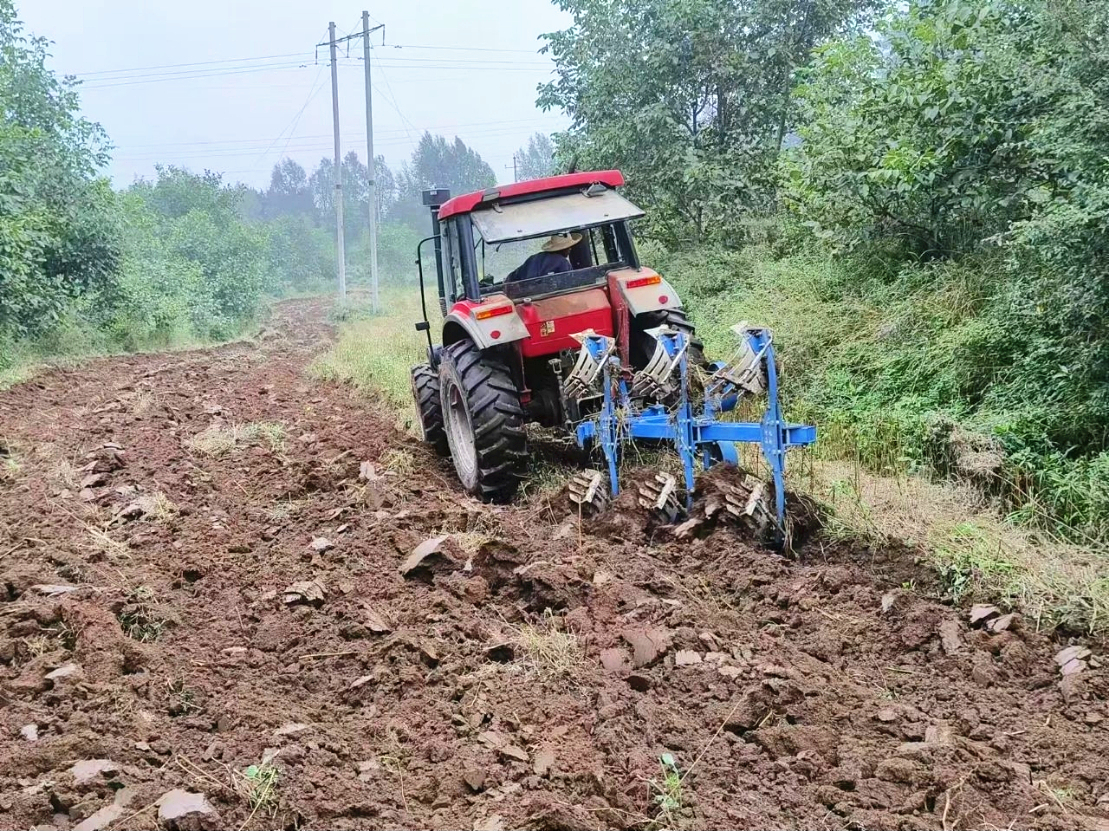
[(181, 609)]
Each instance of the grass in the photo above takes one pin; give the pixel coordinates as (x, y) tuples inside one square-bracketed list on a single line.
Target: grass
[(976, 554), (219, 440), (182, 698), (11, 460), (139, 617), (163, 509), (546, 650), (104, 544), (667, 792), (375, 353), (260, 786)]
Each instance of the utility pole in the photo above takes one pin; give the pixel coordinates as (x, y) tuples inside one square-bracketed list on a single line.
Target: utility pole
[(341, 251), (371, 164), (515, 176), (371, 169)]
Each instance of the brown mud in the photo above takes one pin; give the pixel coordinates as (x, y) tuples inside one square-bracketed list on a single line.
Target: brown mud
[(170, 618)]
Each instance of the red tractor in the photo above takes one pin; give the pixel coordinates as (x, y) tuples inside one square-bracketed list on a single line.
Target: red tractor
[(523, 270)]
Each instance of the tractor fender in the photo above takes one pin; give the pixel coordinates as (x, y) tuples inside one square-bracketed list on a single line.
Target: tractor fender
[(644, 290), (488, 324)]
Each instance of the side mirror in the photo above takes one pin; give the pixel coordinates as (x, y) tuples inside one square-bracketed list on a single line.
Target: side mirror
[(423, 326)]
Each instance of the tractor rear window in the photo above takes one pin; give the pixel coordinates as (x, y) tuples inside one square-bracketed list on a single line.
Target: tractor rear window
[(516, 221)]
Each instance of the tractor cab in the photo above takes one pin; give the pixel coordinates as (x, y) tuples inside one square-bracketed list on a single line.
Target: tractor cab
[(488, 241)]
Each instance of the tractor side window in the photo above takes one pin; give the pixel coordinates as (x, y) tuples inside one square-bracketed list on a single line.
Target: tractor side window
[(612, 250), (450, 261)]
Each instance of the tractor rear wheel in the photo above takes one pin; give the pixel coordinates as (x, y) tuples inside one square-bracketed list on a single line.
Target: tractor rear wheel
[(429, 407), (483, 421), (643, 345)]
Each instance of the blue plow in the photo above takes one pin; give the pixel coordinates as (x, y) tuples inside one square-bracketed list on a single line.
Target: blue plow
[(695, 432)]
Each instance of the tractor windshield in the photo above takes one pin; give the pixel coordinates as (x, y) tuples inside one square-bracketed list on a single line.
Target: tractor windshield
[(593, 252), (502, 222)]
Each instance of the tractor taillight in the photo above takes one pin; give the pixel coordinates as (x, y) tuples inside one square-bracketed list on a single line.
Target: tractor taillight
[(482, 313), (643, 281)]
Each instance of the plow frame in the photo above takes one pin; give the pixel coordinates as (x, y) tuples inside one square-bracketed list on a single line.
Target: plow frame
[(620, 420)]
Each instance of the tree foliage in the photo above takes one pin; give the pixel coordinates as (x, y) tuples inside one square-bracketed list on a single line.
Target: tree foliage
[(57, 237), (691, 98), (537, 159)]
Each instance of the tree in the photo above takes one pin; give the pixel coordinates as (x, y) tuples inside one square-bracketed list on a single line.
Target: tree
[(922, 137), (288, 193), (537, 159), (437, 163), (58, 237), (691, 98)]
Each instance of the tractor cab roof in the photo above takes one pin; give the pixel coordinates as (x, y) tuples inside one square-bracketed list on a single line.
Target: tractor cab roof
[(544, 206)]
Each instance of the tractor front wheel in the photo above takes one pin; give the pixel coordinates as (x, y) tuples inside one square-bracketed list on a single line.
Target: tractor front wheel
[(429, 409), (483, 421)]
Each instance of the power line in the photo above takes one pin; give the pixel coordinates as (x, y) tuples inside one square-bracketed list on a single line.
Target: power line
[(130, 81), (291, 127), (99, 75), (462, 48), (260, 140), (393, 101), (303, 146), (195, 63)]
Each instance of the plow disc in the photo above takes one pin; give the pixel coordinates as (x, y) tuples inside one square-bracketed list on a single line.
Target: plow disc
[(589, 492), (660, 496)]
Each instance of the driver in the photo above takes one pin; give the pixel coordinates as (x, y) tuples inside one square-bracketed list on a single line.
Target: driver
[(548, 260)]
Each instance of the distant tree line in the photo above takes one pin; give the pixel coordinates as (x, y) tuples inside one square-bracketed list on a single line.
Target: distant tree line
[(184, 256)]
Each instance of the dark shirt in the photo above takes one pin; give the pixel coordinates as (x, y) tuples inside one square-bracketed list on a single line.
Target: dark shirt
[(539, 264)]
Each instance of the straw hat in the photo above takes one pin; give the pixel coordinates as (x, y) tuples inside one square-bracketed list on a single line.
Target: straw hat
[(561, 242)]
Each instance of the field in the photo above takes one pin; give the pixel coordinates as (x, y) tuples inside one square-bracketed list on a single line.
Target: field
[(226, 574)]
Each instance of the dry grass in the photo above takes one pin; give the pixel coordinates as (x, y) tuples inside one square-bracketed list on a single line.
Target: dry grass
[(283, 510), (546, 650), (162, 508), (218, 440), (398, 462), (104, 544), (977, 555), (142, 403), (139, 617), (11, 460)]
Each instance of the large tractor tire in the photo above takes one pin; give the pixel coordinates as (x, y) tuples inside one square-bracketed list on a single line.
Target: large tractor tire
[(643, 345), (483, 420), (429, 408)]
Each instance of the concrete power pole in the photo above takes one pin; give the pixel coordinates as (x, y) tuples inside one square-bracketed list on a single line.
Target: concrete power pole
[(340, 248), (371, 165)]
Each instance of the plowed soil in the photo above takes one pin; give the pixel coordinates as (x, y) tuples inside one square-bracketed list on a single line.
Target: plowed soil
[(181, 610)]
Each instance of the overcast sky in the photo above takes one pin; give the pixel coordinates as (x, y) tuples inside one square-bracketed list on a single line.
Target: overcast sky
[(251, 91)]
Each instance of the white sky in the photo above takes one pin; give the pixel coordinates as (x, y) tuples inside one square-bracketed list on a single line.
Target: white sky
[(252, 113)]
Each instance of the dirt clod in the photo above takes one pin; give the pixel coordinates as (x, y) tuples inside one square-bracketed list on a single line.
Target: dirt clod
[(647, 645), (982, 612), (180, 809), (306, 592), (89, 771)]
